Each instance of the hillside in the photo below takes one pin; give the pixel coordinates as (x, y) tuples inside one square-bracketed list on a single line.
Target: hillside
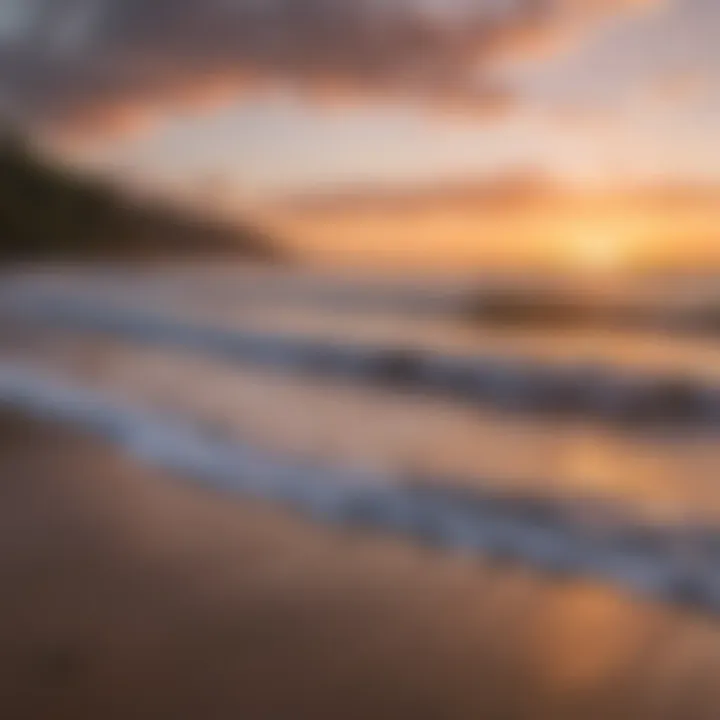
[(51, 213)]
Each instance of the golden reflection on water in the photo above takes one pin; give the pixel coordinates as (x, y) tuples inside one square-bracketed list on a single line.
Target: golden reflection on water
[(583, 636), (579, 650)]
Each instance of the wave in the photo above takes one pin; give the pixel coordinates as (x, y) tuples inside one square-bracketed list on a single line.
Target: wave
[(509, 382), (674, 562)]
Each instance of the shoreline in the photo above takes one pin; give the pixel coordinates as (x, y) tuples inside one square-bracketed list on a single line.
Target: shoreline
[(563, 538), (129, 594)]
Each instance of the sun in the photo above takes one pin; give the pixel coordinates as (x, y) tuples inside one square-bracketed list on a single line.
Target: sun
[(597, 252)]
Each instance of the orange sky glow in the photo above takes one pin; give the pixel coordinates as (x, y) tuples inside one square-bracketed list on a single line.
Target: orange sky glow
[(243, 107)]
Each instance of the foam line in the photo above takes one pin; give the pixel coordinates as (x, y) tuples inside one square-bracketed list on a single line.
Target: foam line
[(512, 383), (672, 562)]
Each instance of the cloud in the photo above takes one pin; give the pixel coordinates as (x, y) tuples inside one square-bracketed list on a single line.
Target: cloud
[(107, 64), (515, 193), (520, 188), (680, 89)]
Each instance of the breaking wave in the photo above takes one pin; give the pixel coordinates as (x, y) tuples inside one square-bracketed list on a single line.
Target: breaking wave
[(673, 562), (584, 389)]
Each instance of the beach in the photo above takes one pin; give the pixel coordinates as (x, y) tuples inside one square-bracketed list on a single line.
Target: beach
[(359, 360), (128, 593)]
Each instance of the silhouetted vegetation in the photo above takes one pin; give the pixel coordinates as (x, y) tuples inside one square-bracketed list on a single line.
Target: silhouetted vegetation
[(51, 213)]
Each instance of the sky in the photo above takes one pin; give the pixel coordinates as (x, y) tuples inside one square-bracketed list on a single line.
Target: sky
[(240, 104)]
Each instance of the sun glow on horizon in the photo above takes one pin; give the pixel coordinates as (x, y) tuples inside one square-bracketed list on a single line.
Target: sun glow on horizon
[(599, 252)]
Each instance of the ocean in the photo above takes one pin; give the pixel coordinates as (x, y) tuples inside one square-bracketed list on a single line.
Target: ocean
[(586, 447)]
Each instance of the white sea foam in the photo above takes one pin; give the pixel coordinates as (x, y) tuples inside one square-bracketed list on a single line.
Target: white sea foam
[(515, 382), (670, 561)]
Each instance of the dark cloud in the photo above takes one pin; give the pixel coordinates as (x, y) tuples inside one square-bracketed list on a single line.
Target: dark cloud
[(113, 63)]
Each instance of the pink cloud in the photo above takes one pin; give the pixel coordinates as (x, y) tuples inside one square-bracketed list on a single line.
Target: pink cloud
[(86, 63)]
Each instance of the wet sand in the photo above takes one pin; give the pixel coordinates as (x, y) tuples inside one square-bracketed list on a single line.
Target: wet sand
[(127, 594)]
